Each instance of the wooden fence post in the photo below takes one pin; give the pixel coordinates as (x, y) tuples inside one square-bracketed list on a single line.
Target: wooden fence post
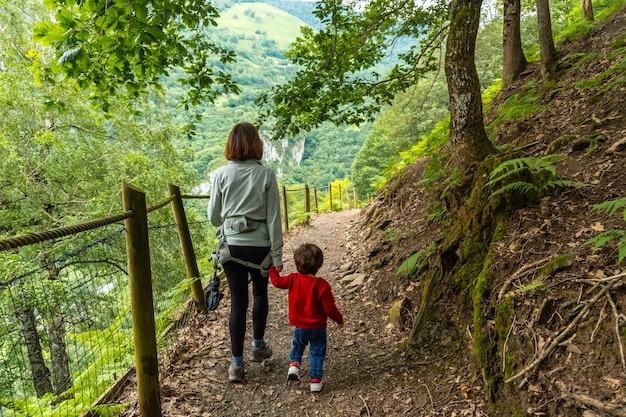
[(186, 245), (340, 197), (307, 200), (348, 198), (315, 196), (141, 302), (285, 208), (330, 196), (356, 198)]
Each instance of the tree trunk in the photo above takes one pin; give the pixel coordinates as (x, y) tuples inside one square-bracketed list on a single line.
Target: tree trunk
[(38, 368), (514, 59), (547, 50), (61, 377), (588, 10), (469, 140)]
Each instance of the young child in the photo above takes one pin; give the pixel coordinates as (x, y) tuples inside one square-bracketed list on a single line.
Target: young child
[(311, 303)]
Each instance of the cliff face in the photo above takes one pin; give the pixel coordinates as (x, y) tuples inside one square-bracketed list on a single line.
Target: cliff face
[(286, 153)]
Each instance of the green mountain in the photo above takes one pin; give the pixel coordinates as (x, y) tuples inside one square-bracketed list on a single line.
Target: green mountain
[(260, 33)]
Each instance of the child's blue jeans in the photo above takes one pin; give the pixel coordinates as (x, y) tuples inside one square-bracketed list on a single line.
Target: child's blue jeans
[(316, 338)]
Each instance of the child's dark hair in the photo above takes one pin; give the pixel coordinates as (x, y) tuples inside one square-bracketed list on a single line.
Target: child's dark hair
[(308, 258)]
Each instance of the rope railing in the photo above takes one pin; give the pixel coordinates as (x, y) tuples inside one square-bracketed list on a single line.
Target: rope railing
[(194, 197), (160, 205), (39, 237)]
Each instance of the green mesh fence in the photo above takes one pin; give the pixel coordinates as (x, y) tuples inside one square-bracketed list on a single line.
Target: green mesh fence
[(65, 320), (66, 331)]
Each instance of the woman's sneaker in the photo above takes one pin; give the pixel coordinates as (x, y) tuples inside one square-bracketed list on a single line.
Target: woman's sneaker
[(316, 384), (294, 372), (235, 374), (258, 355)]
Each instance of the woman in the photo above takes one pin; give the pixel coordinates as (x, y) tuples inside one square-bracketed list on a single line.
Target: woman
[(244, 199)]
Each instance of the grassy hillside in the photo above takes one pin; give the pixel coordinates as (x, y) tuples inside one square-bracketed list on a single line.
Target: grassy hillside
[(260, 22)]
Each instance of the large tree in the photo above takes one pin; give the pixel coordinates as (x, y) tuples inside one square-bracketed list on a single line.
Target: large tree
[(469, 140), (588, 10)]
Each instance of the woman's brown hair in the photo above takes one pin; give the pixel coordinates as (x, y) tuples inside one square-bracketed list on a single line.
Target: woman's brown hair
[(308, 259), (244, 143)]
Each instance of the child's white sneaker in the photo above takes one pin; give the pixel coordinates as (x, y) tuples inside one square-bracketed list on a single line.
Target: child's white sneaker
[(294, 372), (316, 384)]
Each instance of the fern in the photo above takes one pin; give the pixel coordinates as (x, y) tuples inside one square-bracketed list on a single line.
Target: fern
[(515, 166), (561, 183), (521, 186), (437, 212), (611, 207), (542, 170)]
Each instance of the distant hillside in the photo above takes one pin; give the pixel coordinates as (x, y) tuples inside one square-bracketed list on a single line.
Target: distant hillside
[(260, 33), (302, 9), (260, 22)]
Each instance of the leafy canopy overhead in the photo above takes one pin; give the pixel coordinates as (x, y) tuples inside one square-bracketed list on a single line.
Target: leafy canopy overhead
[(339, 79), (105, 44)]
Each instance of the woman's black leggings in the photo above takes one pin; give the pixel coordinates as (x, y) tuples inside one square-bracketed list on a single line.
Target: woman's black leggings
[(237, 275)]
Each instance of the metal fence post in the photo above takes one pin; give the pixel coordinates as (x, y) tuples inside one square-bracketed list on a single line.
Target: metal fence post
[(141, 301)]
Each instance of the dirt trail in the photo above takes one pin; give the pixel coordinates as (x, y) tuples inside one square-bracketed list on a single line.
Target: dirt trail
[(364, 373)]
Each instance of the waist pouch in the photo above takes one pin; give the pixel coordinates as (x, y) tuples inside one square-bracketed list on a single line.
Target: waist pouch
[(240, 224), (222, 251)]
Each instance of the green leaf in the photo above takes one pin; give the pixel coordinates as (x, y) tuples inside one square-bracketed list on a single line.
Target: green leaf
[(156, 33), (621, 255), (408, 266), (141, 11), (50, 4)]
